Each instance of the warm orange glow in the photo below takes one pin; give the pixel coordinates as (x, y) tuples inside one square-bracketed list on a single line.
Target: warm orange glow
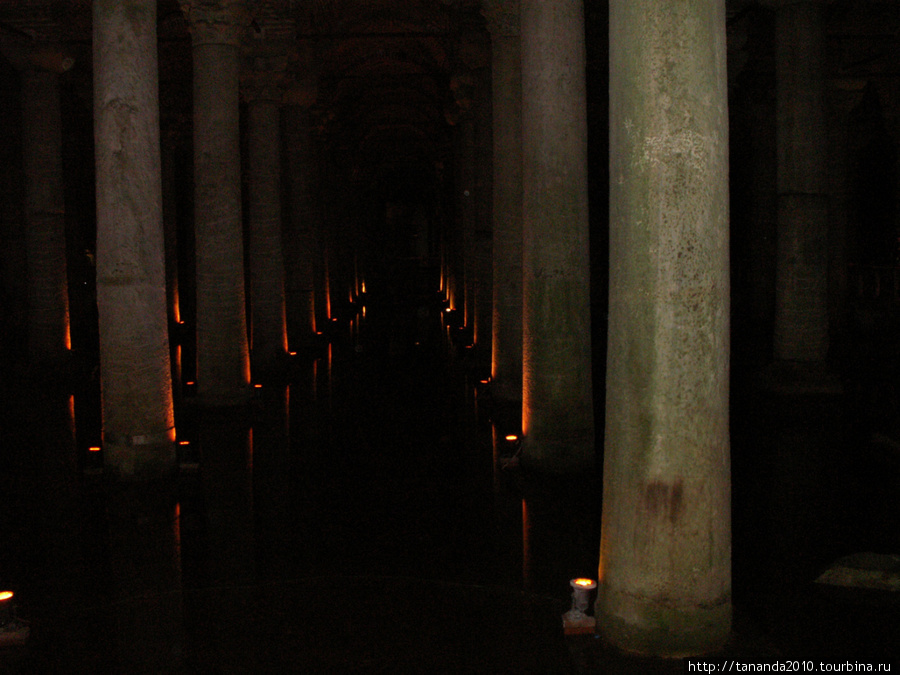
[(584, 583), (184, 442), (94, 448), (511, 437), (363, 286), (292, 353), (5, 595), (176, 307), (257, 386)]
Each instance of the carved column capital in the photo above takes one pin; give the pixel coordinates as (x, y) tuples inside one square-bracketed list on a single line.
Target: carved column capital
[(216, 21), (502, 16)]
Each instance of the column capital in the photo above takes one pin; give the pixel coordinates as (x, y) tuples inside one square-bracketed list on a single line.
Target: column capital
[(269, 54), (216, 21), (502, 16)]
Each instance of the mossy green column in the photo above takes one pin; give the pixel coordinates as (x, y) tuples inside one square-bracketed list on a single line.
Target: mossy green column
[(557, 404), (138, 418), (665, 553)]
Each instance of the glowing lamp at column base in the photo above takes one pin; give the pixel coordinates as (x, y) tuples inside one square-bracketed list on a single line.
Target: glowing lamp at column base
[(13, 631), (6, 607), (576, 620)]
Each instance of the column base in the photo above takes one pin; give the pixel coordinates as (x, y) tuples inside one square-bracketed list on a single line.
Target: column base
[(648, 628), (126, 462)]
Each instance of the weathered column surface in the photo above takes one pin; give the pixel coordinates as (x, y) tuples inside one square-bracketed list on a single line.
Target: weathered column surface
[(223, 358), (262, 88), (48, 336), (138, 420), (801, 304), (506, 362), (557, 405), (665, 554)]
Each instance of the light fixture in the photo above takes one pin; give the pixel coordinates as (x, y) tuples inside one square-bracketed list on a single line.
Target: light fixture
[(13, 631), (576, 619)]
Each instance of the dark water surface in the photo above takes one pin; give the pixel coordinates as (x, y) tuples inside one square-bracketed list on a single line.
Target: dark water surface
[(356, 518)]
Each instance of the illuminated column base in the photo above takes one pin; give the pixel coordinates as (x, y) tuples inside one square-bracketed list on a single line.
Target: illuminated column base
[(665, 552)]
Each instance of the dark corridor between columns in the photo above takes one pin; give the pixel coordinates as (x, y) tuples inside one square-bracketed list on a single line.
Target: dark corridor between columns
[(357, 517), (364, 516)]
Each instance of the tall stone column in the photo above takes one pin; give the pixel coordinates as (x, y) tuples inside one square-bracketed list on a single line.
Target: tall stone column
[(138, 419), (223, 358), (263, 91), (665, 553), (48, 337), (306, 262), (801, 304), (557, 398), (506, 361)]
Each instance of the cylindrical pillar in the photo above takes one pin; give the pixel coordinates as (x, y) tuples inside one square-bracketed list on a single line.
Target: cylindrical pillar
[(506, 359), (801, 303), (665, 554), (223, 358), (48, 336), (267, 300), (557, 398), (138, 420), (303, 259)]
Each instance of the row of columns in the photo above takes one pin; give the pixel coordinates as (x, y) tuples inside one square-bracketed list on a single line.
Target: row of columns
[(665, 552), (664, 572)]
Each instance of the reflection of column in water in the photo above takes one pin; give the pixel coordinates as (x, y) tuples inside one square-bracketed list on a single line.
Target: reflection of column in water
[(226, 482), (273, 532), (145, 561), (527, 576)]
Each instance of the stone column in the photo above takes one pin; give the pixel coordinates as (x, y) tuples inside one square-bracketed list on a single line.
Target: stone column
[(305, 253), (223, 359), (665, 553), (557, 399), (263, 91), (801, 307), (48, 337), (138, 420), (506, 361)]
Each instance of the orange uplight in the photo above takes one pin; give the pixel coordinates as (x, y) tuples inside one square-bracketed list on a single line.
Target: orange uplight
[(511, 437), (184, 442), (5, 595), (257, 386), (94, 448), (584, 583)]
